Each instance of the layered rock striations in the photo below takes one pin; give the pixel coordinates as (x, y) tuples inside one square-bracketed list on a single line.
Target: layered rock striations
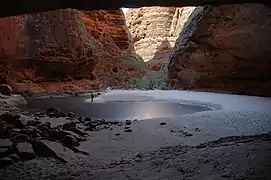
[(64, 50), (155, 30), (224, 48)]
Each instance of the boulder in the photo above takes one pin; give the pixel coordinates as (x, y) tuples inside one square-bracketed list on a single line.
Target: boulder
[(13, 119), (25, 151), (5, 143), (3, 129), (7, 161), (69, 126), (54, 112), (73, 134), (87, 119), (14, 157), (4, 152), (80, 119), (45, 128), (70, 141), (50, 111), (5, 89), (91, 126), (20, 138), (31, 131), (53, 149), (71, 115)]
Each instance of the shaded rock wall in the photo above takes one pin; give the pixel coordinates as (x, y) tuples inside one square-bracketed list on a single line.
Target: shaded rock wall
[(67, 49), (224, 48)]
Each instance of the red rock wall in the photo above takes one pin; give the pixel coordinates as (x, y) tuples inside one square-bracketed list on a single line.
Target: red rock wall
[(224, 48), (64, 49)]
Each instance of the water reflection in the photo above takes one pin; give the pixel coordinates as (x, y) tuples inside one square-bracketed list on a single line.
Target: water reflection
[(115, 110)]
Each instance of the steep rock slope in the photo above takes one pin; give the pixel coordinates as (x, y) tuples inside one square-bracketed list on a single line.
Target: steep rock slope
[(155, 30), (224, 48), (64, 50)]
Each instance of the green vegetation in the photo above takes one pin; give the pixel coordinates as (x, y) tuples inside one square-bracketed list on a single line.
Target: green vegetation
[(150, 79)]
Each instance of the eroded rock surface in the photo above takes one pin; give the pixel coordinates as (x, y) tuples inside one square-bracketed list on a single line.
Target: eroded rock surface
[(155, 30), (224, 48), (64, 50)]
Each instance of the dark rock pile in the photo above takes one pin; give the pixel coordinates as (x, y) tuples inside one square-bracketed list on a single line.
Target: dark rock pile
[(5, 89), (26, 139)]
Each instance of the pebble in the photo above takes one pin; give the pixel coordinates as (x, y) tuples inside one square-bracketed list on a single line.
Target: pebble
[(128, 130), (128, 122), (163, 123), (71, 115)]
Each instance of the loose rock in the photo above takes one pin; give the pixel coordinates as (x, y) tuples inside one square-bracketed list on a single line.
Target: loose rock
[(53, 149), (87, 119), (3, 129), (13, 119), (71, 115), (25, 151), (163, 123), (54, 112), (44, 126), (33, 123), (106, 127), (226, 175), (5, 89), (7, 161), (4, 152), (73, 134), (70, 141), (80, 119), (68, 126), (5, 143), (128, 122), (128, 130), (14, 157), (20, 138)]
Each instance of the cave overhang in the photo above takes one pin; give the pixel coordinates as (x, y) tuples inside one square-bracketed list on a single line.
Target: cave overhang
[(18, 7)]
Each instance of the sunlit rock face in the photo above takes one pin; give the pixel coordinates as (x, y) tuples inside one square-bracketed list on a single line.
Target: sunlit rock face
[(155, 30), (64, 50), (224, 48)]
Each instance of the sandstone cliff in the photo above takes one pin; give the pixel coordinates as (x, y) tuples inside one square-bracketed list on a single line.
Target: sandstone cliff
[(64, 50), (224, 48), (155, 30)]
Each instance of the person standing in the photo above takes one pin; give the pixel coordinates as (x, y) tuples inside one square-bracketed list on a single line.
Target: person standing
[(92, 96)]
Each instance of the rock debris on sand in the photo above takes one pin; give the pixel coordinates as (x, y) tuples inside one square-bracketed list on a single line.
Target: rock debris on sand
[(227, 158), (29, 136)]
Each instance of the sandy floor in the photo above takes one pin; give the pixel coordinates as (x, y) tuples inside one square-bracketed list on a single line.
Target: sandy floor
[(138, 155)]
